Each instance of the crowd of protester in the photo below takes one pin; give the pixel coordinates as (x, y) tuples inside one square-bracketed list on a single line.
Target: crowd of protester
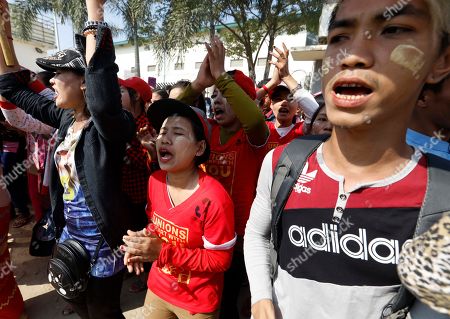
[(183, 189)]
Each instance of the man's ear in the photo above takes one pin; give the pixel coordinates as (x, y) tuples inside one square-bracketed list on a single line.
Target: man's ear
[(441, 68), (83, 85)]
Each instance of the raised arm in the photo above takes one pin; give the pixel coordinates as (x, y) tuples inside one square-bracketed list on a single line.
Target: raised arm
[(103, 96), (14, 81), (211, 72), (305, 100), (23, 121), (269, 86), (243, 106)]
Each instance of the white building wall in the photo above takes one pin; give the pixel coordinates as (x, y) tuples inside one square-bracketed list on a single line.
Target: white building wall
[(166, 72), (27, 53)]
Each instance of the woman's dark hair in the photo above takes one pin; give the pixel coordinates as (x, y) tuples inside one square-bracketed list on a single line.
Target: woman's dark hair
[(134, 99), (199, 135), (321, 101), (199, 102), (44, 77), (162, 93)]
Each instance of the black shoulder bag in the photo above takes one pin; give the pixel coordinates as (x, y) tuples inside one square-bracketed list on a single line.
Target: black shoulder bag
[(68, 270)]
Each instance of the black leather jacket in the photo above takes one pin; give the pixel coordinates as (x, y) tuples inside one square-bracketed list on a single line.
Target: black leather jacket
[(99, 153)]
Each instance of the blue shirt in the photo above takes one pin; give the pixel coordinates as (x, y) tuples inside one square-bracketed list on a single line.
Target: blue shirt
[(428, 144), (80, 223)]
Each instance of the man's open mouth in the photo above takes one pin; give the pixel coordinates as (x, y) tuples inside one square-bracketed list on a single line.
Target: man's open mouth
[(283, 110), (351, 90)]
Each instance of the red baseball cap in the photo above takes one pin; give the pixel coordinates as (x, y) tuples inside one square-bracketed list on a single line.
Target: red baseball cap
[(140, 86), (244, 82)]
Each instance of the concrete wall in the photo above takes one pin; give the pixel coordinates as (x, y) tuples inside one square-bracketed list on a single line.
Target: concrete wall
[(27, 54)]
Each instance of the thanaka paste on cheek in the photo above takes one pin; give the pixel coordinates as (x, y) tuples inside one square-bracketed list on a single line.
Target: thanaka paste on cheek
[(409, 57)]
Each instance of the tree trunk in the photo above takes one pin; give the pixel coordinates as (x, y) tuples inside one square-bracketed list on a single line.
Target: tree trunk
[(269, 57), (212, 26), (137, 64), (251, 69), (249, 56)]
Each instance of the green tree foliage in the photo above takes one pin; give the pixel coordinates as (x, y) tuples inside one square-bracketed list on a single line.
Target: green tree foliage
[(27, 11), (138, 21), (180, 21), (136, 15), (245, 25)]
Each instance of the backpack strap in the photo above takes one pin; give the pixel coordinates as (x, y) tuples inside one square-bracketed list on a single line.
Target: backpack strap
[(285, 175), (436, 202)]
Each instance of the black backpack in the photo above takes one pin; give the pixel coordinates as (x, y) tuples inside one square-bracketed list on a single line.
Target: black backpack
[(436, 202)]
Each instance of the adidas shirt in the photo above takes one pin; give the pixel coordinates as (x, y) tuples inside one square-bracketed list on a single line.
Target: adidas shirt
[(339, 250)]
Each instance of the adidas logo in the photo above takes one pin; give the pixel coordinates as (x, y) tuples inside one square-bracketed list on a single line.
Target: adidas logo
[(304, 178)]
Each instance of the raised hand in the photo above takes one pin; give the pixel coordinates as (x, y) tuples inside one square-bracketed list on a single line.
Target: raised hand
[(276, 78), (216, 55), (95, 11), (282, 63), (204, 77), (148, 140)]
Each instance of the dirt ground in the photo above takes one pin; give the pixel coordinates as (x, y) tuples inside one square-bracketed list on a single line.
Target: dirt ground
[(41, 301)]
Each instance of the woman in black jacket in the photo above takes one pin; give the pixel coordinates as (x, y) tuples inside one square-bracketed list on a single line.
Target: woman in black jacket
[(87, 200)]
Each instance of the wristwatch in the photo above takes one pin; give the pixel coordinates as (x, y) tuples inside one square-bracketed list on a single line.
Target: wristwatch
[(298, 87)]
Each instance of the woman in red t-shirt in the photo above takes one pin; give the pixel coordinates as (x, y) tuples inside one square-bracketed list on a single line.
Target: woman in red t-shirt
[(191, 231)]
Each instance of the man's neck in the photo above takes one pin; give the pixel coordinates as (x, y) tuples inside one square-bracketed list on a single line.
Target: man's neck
[(366, 155), (282, 124), (429, 129)]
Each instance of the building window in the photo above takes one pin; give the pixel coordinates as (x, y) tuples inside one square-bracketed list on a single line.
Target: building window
[(236, 63), (261, 62), (197, 65), (151, 68), (133, 69), (179, 66)]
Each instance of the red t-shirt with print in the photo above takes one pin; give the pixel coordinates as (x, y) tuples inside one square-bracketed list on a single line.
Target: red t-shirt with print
[(276, 140), (236, 165), (198, 237)]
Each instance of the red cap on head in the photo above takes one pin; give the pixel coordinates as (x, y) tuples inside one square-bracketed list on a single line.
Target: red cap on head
[(244, 82), (140, 86)]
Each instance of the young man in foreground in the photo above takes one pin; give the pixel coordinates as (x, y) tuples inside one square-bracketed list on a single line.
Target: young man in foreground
[(358, 198)]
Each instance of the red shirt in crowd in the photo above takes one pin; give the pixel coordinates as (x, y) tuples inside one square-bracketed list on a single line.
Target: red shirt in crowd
[(236, 166), (136, 168), (275, 139), (198, 237)]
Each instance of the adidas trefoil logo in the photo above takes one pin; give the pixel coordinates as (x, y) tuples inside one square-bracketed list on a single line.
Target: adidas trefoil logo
[(305, 178)]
